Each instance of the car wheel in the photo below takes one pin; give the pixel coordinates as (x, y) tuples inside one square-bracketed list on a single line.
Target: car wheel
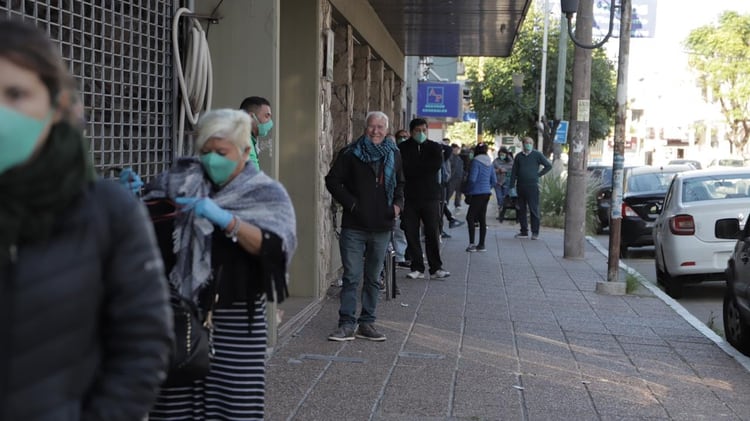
[(672, 286), (624, 251), (661, 277), (736, 330)]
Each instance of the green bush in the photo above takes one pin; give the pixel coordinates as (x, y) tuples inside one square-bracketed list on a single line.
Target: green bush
[(552, 192)]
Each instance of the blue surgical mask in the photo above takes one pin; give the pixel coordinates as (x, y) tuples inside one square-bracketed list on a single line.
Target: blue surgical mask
[(527, 147), (218, 168), (421, 137), (19, 135), (502, 157), (263, 128), (400, 139)]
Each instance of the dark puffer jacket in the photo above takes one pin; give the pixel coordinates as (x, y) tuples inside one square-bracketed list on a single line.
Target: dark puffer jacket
[(361, 191), (85, 325)]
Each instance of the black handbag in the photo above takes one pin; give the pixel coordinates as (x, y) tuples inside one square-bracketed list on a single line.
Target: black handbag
[(191, 354)]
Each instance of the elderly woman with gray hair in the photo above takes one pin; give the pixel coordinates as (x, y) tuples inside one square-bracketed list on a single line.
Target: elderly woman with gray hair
[(233, 240)]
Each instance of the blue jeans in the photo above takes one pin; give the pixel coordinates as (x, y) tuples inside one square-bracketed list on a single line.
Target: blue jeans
[(362, 254), (399, 241), (500, 192)]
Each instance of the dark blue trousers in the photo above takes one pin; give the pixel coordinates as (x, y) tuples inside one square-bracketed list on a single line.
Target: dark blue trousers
[(528, 200)]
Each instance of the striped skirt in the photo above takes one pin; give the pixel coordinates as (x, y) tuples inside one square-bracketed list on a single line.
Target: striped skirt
[(234, 388)]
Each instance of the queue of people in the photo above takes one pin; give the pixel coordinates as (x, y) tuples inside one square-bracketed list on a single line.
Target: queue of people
[(103, 347)]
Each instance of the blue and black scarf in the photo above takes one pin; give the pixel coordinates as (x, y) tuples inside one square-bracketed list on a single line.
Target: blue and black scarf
[(368, 152)]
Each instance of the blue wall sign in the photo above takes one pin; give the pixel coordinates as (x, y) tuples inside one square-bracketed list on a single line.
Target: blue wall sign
[(438, 99), (561, 135)]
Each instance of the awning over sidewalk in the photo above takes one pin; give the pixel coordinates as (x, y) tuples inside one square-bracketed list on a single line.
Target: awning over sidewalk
[(452, 28)]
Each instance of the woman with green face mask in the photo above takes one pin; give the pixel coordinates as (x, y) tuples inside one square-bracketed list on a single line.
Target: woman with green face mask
[(83, 297), (235, 234)]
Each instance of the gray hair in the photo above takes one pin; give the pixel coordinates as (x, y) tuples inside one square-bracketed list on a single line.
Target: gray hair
[(232, 125), (376, 114)]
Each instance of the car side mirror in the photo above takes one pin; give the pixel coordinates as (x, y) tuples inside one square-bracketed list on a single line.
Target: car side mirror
[(727, 228)]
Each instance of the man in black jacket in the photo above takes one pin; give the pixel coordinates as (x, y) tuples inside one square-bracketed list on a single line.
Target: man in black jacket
[(423, 196), (367, 180)]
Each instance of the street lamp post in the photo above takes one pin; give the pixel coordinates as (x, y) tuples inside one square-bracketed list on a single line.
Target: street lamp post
[(543, 81)]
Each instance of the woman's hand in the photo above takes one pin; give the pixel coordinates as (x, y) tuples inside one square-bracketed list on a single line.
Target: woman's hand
[(206, 208), (130, 180)]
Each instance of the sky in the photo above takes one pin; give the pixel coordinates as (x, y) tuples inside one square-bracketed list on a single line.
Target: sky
[(659, 78)]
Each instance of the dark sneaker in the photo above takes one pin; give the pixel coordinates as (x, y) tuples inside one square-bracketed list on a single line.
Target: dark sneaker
[(445, 235), (381, 285), (455, 223), (403, 265), (342, 333), (367, 331), (534, 236), (522, 235), (471, 249), (480, 249)]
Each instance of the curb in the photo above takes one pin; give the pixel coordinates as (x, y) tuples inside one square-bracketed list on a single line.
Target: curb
[(742, 359)]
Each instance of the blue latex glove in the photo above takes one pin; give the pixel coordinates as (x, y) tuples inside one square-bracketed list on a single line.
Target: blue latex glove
[(513, 192), (130, 180), (206, 208)]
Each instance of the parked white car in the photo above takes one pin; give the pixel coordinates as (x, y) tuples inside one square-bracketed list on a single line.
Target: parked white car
[(686, 249)]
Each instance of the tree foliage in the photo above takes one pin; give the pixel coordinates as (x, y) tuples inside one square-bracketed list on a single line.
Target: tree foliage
[(503, 110), (720, 55), (462, 133)]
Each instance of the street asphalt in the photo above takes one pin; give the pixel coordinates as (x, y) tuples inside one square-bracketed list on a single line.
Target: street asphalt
[(515, 333)]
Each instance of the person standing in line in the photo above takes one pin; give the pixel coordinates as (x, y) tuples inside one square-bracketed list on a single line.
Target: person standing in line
[(525, 179), (87, 326), (367, 180), (259, 110), (479, 185), (399, 238), (423, 196), (445, 175), (465, 154), (503, 164), (234, 235), (457, 176), (400, 136)]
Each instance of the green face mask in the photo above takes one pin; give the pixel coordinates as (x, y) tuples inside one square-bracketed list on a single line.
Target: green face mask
[(527, 147), (218, 167), (400, 139), (263, 128), (421, 137), (502, 156), (19, 134)]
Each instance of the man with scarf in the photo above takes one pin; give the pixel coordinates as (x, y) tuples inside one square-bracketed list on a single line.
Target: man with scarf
[(366, 179)]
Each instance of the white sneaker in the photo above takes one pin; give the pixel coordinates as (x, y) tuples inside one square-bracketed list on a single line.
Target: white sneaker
[(415, 275), (440, 273)]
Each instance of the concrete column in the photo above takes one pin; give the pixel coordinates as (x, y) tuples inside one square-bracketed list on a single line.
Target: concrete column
[(342, 100), (361, 85), (299, 125), (398, 105), (377, 99), (388, 77)]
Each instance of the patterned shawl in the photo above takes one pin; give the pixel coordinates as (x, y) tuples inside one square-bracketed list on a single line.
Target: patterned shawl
[(252, 196)]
